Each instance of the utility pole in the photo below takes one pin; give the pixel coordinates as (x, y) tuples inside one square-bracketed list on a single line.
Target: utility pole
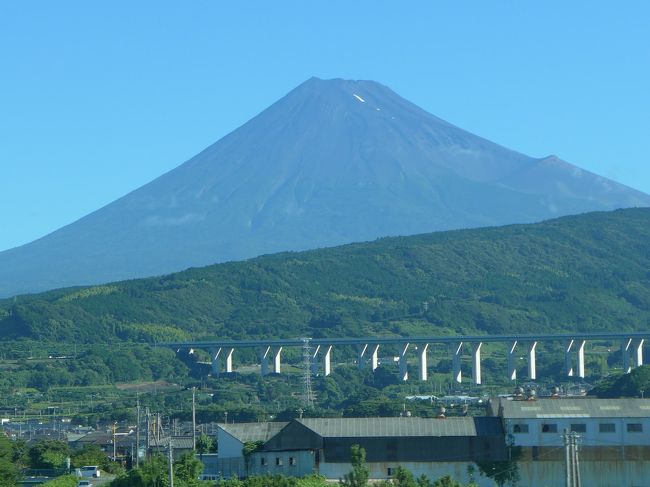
[(571, 462), (114, 443), (567, 459), (137, 435), (171, 462), (576, 463), (148, 432), (194, 418)]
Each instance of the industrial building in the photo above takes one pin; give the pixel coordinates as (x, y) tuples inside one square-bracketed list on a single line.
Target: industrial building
[(613, 438), (600, 422), (431, 446), (521, 435)]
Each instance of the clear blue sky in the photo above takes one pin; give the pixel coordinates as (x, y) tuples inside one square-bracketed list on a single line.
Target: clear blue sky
[(98, 98)]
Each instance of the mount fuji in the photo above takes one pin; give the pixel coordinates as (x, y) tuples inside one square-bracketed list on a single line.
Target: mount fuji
[(332, 162)]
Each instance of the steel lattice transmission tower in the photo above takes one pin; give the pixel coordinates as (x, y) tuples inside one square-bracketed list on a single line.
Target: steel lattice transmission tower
[(307, 392)]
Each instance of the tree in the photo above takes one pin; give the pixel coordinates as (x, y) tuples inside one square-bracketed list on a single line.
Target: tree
[(250, 447), (404, 478), (188, 469), (423, 481), (447, 481), (49, 454), (234, 482), (8, 471), (203, 444), (89, 455), (20, 453), (153, 473), (634, 384), (359, 475), (504, 472)]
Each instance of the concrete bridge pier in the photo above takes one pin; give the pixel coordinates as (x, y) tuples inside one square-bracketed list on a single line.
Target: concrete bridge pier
[(457, 349), (626, 346), (375, 357), (512, 361), (403, 365), (327, 361), (581, 359), (229, 360), (638, 353), (314, 360), (264, 360), (423, 361), (568, 359), (476, 362), (276, 360), (532, 366), (361, 360), (214, 360)]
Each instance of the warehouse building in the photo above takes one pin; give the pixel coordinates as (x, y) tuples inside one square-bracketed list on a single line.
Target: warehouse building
[(613, 438), (599, 422), (430, 446)]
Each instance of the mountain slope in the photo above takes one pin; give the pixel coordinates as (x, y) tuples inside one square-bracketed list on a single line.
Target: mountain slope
[(332, 162), (588, 272)]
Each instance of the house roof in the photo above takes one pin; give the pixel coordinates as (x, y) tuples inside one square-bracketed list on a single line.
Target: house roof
[(102, 438), (573, 408), (405, 427), (95, 437), (253, 431)]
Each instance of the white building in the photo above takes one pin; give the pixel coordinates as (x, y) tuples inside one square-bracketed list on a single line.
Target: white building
[(599, 422), (613, 439), (231, 439)]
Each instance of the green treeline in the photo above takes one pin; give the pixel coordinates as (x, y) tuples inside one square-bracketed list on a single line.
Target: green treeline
[(586, 272), (51, 455)]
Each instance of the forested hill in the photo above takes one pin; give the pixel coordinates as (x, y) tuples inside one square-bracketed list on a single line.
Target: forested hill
[(586, 272)]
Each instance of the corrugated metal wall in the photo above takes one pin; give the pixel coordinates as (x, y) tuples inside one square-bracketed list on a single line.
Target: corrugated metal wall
[(418, 449)]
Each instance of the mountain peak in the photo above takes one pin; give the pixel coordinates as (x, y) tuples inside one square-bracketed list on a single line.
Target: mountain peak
[(324, 87)]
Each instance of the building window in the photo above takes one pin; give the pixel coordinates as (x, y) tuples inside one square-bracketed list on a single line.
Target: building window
[(263, 461), (390, 471), (607, 428), (278, 461), (549, 428), (292, 460), (579, 427), (635, 428), (520, 428)]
